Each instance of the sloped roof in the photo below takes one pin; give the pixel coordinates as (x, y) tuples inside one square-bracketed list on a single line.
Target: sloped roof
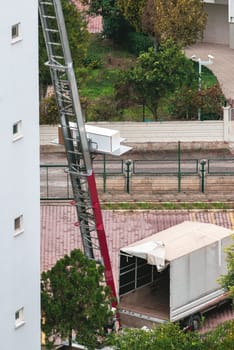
[(178, 240)]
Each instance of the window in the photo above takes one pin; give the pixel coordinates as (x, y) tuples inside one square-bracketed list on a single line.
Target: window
[(17, 130), (18, 225), (19, 318), (15, 33)]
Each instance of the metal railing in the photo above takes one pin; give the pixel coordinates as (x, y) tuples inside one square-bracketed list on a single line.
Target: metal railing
[(220, 166), (55, 182)]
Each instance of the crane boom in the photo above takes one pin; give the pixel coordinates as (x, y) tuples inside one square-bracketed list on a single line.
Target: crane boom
[(76, 144)]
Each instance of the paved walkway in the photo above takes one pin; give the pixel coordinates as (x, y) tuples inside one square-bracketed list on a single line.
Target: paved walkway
[(223, 66)]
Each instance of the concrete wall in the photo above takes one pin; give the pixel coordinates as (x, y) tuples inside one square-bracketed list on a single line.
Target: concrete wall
[(162, 135), (217, 29), (153, 185), (19, 185), (220, 25), (171, 131)]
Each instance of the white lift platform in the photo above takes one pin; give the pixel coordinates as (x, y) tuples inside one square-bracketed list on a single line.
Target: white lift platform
[(101, 140)]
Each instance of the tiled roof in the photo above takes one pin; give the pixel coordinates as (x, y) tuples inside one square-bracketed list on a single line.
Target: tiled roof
[(94, 22), (59, 235)]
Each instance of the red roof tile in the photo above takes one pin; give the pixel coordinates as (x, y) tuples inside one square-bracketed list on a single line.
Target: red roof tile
[(94, 22), (59, 235)]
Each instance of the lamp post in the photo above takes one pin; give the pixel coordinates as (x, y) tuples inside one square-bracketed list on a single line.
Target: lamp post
[(200, 64)]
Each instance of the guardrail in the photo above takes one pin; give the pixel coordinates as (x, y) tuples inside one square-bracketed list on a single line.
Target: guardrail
[(187, 175)]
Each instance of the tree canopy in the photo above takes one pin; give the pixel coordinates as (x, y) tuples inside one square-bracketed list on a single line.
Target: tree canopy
[(156, 74), (115, 26), (78, 37), (170, 336), (183, 21), (74, 299), (227, 281)]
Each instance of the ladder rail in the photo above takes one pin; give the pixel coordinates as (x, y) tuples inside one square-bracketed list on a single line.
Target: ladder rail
[(63, 106), (76, 144)]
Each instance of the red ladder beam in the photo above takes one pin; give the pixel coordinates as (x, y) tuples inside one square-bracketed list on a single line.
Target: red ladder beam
[(102, 237)]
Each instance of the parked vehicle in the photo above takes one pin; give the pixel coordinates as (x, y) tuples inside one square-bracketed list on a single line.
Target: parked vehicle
[(172, 275)]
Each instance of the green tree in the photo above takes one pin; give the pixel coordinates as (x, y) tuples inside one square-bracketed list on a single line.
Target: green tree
[(156, 74), (227, 281), (74, 300), (49, 111), (115, 26), (162, 337), (184, 103), (183, 21), (171, 337), (78, 37)]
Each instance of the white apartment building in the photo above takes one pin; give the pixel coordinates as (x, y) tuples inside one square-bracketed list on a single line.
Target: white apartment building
[(19, 177), (220, 25)]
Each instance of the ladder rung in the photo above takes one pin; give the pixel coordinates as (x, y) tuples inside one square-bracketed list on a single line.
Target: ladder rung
[(46, 3), (57, 57), (78, 174), (56, 66), (69, 114), (50, 17), (52, 30), (75, 152), (53, 43)]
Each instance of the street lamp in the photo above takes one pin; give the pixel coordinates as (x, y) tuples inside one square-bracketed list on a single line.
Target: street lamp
[(200, 64)]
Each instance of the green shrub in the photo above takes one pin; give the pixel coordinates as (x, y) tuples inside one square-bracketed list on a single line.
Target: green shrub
[(93, 62), (171, 337), (103, 109), (184, 104), (222, 338), (49, 111), (49, 114), (138, 42)]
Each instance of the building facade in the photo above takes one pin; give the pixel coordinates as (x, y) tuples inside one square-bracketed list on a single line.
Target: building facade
[(19, 177), (220, 25)]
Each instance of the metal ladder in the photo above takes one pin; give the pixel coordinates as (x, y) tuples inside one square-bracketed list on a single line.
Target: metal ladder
[(75, 138)]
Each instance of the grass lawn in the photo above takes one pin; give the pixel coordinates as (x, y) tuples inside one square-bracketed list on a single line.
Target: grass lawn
[(104, 63)]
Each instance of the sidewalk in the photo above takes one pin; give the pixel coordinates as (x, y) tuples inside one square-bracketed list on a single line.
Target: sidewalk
[(223, 66)]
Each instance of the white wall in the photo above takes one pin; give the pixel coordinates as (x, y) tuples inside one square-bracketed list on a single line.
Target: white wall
[(217, 28), (230, 10), (19, 177), (157, 135), (171, 131)]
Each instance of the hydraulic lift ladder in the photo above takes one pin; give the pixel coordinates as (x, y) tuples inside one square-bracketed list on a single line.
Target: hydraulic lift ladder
[(76, 143)]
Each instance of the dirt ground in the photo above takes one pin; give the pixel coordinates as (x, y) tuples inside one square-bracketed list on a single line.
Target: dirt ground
[(59, 157), (184, 154)]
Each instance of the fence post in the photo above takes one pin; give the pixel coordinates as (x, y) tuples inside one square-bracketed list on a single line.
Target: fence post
[(104, 173), (203, 173), (179, 169), (226, 123), (128, 164)]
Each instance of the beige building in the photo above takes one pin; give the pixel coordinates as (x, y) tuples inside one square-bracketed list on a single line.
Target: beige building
[(220, 25)]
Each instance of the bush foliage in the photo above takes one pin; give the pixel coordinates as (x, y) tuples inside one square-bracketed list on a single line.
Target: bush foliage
[(137, 43), (184, 104), (171, 337), (49, 111), (74, 301)]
